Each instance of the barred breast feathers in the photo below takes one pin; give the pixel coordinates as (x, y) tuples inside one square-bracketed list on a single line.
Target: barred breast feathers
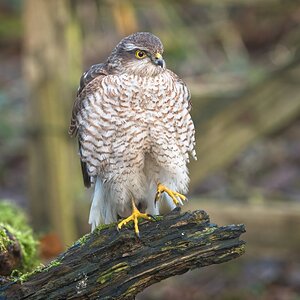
[(173, 99)]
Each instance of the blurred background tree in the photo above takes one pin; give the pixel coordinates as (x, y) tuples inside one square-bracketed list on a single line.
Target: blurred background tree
[(51, 42), (241, 61)]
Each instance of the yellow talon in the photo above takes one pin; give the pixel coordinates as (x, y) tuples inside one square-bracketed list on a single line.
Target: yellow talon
[(161, 189), (136, 214)]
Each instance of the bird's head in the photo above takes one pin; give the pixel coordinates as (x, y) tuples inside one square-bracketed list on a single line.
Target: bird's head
[(139, 54)]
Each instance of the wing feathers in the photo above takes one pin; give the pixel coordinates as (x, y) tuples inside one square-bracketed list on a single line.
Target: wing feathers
[(96, 72)]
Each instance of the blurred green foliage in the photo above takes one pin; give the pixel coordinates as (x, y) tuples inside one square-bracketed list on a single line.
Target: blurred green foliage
[(14, 220), (10, 27)]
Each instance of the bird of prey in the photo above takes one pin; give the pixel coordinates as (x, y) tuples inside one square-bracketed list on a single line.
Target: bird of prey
[(135, 132)]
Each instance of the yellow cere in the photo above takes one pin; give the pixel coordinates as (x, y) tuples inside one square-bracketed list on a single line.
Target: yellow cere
[(158, 55)]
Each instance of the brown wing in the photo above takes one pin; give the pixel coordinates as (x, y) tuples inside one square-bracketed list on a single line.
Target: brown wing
[(96, 72), (86, 80)]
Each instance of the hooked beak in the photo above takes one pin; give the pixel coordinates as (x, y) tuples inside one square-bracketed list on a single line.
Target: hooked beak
[(158, 60)]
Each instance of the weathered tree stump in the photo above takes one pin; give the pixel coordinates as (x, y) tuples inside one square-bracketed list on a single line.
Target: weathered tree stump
[(108, 264)]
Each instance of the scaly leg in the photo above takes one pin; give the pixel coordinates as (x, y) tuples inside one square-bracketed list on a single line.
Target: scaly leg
[(134, 217), (174, 195)]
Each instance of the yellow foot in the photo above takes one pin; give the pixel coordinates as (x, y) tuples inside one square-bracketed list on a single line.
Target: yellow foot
[(136, 214), (176, 197)]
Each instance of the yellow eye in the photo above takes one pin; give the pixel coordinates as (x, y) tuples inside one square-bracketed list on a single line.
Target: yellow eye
[(140, 54)]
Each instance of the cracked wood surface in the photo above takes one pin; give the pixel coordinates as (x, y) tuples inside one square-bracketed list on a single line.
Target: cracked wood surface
[(108, 264)]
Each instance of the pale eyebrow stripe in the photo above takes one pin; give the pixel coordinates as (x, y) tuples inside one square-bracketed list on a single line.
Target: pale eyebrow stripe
[(130, 47)]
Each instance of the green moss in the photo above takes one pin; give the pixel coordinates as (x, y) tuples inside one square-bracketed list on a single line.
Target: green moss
[(97, 230), (41, 268), (241, 249), (105, 226), (83, 239), (108, 274), (12, 215), (52, 264), (158, 218), (4, 240), (24, 276), (13, 220)]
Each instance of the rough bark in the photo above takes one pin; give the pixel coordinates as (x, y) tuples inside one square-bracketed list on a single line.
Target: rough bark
[(108, 264)]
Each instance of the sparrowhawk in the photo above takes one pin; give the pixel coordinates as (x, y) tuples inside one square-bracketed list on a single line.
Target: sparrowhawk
[(135, 132)]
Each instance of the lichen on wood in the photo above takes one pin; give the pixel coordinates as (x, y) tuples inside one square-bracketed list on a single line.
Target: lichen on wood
[(111, 264)]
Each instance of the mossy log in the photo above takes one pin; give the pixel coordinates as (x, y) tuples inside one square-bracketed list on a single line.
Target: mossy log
[(108, 264)]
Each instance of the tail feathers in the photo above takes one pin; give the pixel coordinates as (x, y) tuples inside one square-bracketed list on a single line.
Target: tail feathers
[(96, 210), (165, 204), (103, 209)]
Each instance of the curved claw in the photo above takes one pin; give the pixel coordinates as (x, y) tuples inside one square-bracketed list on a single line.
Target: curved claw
[(176, 197), (136, 214), (152, 217), (157, 197)]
